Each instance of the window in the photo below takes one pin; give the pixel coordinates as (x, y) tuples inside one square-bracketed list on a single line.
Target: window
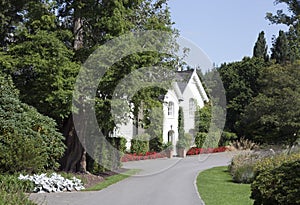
[(192, 107), (170, 109)]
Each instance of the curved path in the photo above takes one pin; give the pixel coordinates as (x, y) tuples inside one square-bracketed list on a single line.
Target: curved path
[(162, 181)]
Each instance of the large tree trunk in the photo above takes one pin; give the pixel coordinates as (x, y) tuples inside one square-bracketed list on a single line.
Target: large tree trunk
[(74, 159), (78, 33)]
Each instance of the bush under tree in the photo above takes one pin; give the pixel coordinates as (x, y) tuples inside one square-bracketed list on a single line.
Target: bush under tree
[(29, 141)]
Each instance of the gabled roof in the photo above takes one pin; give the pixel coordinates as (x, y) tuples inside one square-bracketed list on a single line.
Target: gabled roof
[(182, 78)]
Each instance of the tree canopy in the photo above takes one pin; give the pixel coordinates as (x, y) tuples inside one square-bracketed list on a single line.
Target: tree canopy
[(273, 116)]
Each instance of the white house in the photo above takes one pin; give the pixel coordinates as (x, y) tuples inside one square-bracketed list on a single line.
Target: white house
[(187, 92)]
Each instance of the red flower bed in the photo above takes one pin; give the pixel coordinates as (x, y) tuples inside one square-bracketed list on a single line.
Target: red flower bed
[(196, 151), (148, 155)]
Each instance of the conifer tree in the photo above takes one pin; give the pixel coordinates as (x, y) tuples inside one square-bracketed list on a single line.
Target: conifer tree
[(261, 49), (280, 50)]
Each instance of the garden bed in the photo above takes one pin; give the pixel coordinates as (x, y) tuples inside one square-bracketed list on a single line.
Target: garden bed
[(196, 151)]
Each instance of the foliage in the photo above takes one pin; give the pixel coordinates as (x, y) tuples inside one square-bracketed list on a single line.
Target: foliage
[(185, 141), (53, 183), (203, 118), (43, 72), (29, 141), (292, 20), (243, 144), (180, 123), (202, 123), (119, 143), (242, 166), (140, 144), (154, 127), (273, 116), (200, 139), (260, 49), (44, 42), (240, 83), (269, 163), (168, 146), (277, 180), (216, 187), (281, 50), (12, 190), (227, 137), (106, 155)]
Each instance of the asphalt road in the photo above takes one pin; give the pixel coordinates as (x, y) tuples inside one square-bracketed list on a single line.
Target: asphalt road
[(162, 182)]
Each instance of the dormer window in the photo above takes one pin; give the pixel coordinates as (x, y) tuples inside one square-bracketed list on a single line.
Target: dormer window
[(170, 109)]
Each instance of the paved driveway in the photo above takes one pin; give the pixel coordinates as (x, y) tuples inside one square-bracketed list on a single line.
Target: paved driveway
[(162, 182)]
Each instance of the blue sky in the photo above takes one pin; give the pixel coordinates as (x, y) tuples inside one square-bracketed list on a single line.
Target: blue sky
[(226, 30)]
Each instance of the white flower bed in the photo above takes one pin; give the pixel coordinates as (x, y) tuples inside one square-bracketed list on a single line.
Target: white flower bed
[(54, 183)]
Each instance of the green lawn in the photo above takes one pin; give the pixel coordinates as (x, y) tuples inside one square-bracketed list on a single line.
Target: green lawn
[(215, 187), (112, 180)]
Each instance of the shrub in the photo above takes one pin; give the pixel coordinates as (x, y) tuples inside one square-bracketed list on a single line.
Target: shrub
[(156, 143), (226, 138), (200, 139), (244, 144), (118, 142), (277, 181), (168, 146), (242, 167), (140, 144), (29, 141), (12, 190), (184, 142), (103, 157)]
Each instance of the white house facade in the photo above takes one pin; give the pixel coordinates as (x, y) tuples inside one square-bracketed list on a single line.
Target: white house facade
[(187, 92)]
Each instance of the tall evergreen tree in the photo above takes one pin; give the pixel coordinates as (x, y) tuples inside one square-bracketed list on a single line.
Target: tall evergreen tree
[(261, 49), (280, 50)]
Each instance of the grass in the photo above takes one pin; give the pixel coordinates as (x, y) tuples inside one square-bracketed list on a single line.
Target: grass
[(215, 186), (112, 180)]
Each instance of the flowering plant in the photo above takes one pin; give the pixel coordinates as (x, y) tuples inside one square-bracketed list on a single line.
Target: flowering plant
[(137, 157), (196, 151)]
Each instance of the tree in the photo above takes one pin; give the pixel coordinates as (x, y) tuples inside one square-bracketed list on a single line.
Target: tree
[(280, 50), (42, 70), (29, 141), (281, 18), (180, 123), (11, 16), (131, 17), (273, 116), (53, 37), (261, 49), (292, 20), (240, 83)]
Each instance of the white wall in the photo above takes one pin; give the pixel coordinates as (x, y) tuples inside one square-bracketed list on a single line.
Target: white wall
[(170, 122), (192, 91)]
